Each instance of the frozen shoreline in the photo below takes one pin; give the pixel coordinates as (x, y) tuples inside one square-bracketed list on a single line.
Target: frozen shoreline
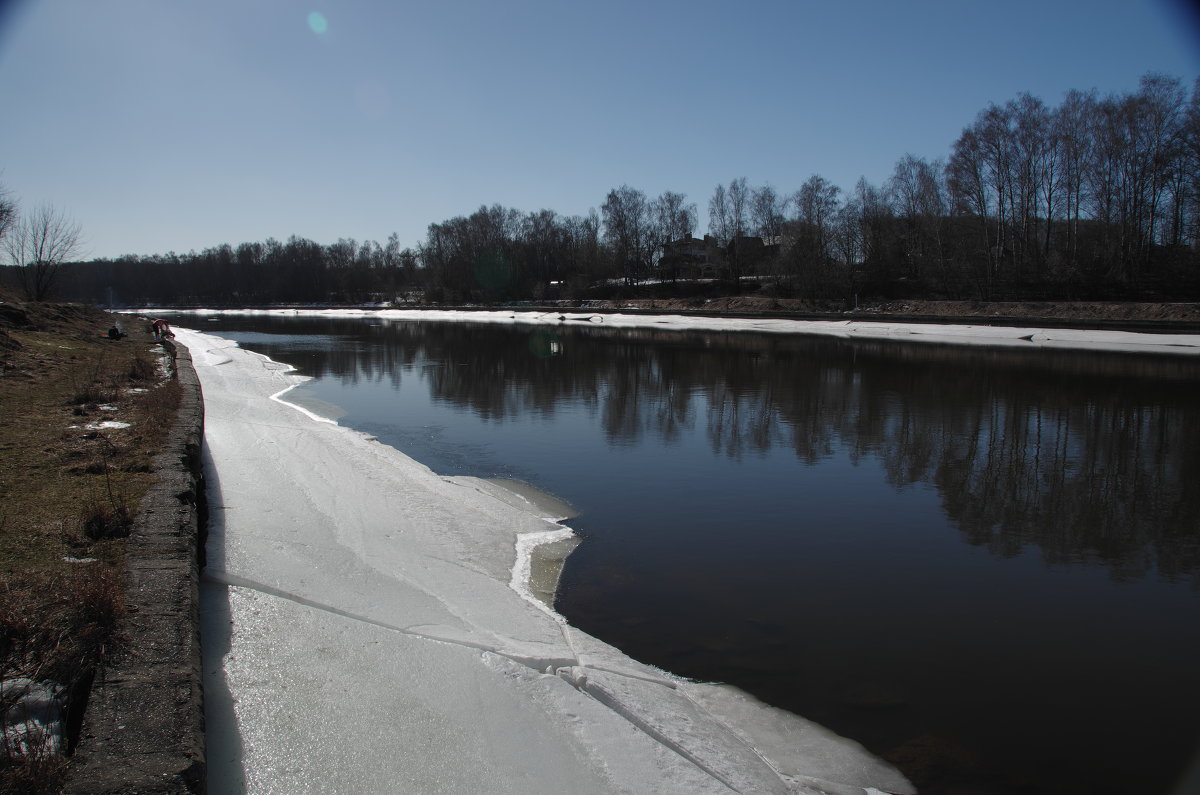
[(1030, 336), (361, 632)]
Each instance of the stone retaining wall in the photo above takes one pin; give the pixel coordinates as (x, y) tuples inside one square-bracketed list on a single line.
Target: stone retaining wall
[(143, 729)]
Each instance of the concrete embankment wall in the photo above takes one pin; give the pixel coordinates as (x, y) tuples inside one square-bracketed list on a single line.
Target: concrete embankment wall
[(143, 729)]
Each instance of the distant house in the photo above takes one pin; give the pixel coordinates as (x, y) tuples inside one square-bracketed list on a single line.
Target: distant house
[(691, 258), (694, 258), (751, 253)]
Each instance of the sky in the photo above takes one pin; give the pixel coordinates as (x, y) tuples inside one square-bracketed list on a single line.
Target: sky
[(166, 125)]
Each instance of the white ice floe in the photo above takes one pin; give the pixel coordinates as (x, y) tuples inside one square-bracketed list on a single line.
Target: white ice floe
[(371, 626), (951, 333)]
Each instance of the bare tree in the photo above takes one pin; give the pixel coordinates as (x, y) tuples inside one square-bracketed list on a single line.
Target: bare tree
[(720, 224), (341, 253), (1162, 104), (728, 220), (766, 212), (815, 203), (848, 233), (1072, 124), (8, 211), (739, 206), (978, 177), (544, 240), (39, 243), (875, 218), (1138, 143), (1188, 190), (585, 258), (627, 230), (917, 192), (674, 217), (671, 220), (391, 252), (810, 237)]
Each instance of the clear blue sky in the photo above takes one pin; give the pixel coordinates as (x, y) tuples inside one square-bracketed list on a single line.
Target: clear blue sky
[(175, 125)]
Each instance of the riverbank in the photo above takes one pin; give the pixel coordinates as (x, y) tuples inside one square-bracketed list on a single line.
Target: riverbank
[(143, 730), (1156, 317), (92, 430)]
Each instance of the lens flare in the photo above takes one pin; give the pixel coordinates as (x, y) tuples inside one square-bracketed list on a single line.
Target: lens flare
[(317, 22), (544, 343)]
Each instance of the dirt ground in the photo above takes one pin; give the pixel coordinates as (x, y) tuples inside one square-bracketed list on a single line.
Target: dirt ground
[(1083, 312), (81, 418)]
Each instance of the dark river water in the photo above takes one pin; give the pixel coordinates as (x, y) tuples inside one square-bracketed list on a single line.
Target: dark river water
[(982, 564)]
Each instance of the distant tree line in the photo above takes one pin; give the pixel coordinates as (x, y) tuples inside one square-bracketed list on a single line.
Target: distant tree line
[(271, 272), (1096, 198)]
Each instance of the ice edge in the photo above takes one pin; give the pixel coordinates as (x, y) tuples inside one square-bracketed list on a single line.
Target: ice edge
[(522, 570)]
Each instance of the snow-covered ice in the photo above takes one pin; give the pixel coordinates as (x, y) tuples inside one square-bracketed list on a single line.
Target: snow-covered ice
[(368, 627), (851, 328)]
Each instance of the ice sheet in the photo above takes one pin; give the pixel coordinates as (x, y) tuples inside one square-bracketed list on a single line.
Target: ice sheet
[(960, 334), (365, 629)]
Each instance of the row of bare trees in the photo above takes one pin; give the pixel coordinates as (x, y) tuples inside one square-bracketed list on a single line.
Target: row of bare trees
[(500, 252), (1096, 187), (1098, 197), (297, 270)]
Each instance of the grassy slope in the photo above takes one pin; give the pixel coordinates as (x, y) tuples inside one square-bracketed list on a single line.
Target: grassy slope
[(68, 492)]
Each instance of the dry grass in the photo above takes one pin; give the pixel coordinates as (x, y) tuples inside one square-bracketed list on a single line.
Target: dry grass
[(81, 419)]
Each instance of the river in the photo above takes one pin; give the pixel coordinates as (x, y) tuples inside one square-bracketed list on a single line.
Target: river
[(984, 564)]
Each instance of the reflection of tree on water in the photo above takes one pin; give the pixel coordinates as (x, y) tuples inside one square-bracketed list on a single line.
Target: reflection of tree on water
[(1081, 465), (1086, 456)]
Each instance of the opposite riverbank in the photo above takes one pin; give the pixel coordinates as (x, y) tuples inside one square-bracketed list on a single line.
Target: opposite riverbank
[(1112, 315)]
